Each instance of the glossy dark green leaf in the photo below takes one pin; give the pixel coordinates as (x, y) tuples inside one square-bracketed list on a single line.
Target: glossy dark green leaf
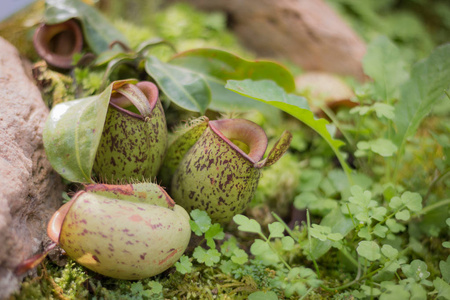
[(218, 66), (183, 87), (97, 30), (72, 134), (222, 65), (269, 92)]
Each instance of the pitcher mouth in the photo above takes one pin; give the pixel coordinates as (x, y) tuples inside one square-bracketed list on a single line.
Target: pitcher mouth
[(250, 140), (148, 89), (55, 224), (57, 43)]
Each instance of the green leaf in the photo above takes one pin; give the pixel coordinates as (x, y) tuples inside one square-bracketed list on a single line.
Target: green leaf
[(413, 201), (276, 230), (395, 203), (395, 292), (384, 110), (228, 247), (444, 266), (380, 230), (403, 215), (247, 225), (209, 258), (218, 66), (339, 223), (389, 251), (384, 63), (304, 200), (184, 265), (269, 92), (417, 270), (200, 222), (215, 232), (394, 226), (97, 30), (287, 243), (383, 147), (369, 250), (155, 287), (443, 289), (72, 134), (360, 197), (228, 266), (239, 256), (183, 87), (429, 79), (260, 295), (259, 247)]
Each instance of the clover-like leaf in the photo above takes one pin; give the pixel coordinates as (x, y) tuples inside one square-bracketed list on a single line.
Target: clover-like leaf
[(369, 250), (417, 270), (413, 201), (395, 203), (287, 243), (209, 258), (184, 265), (380, 230), (228, 247), (239, 256), (215, 232), (403, 215), (259, 247), (394, 226), (276, 230), (260, 295), (200, 222), (444, 266), (389, 251), (359, 196), (383, 147), (246, 224)]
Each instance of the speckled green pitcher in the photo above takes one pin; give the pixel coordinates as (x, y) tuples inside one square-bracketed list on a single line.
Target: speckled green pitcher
[(134, 137), (219, 173)]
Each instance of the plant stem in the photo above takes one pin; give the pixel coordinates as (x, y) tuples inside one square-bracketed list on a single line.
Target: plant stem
[(308, 223), (307, 292), (349, 257), (330, 114), (289, 231), (431, 207), (275, 251), (434, 182)]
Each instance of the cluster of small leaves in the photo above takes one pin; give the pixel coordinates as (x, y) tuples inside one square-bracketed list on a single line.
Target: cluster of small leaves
[(375, 219), (230, 254), (290, 280)]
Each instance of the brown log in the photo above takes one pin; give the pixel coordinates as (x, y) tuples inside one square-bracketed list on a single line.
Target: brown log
[(307, 32)]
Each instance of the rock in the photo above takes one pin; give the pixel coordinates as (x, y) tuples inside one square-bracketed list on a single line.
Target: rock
[(307, 32), (31, 190), (324, 89)]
